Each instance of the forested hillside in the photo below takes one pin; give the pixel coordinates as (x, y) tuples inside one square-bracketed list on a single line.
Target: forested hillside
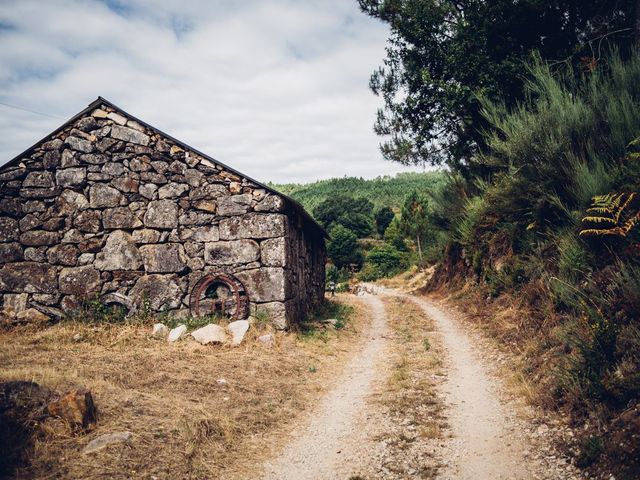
[(381, 191)]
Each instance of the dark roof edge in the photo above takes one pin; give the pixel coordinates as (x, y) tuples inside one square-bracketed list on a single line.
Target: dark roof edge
[(101, 101)]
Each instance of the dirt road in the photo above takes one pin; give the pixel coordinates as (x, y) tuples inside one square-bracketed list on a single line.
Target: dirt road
[(334, 442), (483, 444), (338, 441)]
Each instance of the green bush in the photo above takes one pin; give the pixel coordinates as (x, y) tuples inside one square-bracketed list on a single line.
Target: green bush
[(336, 275), (382, 261)]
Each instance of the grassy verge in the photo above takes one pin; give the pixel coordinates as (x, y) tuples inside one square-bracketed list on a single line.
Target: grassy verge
[(410, 395), (187, 422)]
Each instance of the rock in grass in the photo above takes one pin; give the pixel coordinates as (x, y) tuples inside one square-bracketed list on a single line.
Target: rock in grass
[(75, 407), (160, 330), (212, 333), (267, 340), (104, 440), (31, 315), (238, 330), (177, 333)]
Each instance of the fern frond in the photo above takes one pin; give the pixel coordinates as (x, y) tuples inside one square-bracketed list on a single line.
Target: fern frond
[(609, 211), (617, 231), (599, 220), (602, 210), (632, 222), (624, 206)]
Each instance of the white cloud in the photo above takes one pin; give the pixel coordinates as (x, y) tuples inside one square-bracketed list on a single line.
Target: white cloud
[(277, 89)]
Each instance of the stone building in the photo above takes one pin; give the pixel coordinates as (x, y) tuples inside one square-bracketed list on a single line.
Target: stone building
[(109, 207)]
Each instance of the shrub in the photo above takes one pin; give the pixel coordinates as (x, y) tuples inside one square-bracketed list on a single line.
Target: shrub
[(393, 235), (382, 261)]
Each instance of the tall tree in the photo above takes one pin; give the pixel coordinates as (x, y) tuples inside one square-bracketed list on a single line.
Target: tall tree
[(444, 54), (383, 218), (343, 249), (414, 220)]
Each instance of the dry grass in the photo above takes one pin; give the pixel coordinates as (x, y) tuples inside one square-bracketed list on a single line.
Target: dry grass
[(409, 280), (417, 363), (185, 423), (410, 394)]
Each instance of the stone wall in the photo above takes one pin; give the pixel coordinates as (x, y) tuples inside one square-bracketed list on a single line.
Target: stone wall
[(108, 205)]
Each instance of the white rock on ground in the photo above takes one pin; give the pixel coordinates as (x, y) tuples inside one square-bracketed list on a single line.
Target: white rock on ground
[(267, 340), (238, 330), (104, 440), (212, 333), (177, 333), (160, 330)]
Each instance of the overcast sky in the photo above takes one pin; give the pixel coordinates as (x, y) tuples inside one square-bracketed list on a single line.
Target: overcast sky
[(277, 89)]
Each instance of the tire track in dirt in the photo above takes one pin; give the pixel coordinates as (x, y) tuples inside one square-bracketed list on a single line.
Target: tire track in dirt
[(337, 441), (334, 443), (486, 444)]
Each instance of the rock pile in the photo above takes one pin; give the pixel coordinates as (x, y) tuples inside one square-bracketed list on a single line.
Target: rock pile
[(209, 334)]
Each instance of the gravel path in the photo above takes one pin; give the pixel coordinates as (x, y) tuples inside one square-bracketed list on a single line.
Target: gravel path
[(334, 443), (486, 442), (487, 438)]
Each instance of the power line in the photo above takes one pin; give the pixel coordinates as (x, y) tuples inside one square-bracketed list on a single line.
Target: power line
[(31, 111)]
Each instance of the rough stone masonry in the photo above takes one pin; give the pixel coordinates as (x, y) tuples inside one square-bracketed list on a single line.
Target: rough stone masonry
[(110, 207)]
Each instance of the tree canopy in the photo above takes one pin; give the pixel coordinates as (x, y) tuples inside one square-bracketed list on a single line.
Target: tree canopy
[(383, 218), (443, 55), (343, 247), (354, 214)]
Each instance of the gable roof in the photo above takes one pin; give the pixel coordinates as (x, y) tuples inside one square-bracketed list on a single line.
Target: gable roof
[(101, 101)]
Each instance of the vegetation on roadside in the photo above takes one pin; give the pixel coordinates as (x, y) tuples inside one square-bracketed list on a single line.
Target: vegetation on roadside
[(374, 225), (536, 228), (332, 315)]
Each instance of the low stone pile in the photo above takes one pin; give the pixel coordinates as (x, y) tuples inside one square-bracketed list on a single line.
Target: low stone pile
[(213, 334)]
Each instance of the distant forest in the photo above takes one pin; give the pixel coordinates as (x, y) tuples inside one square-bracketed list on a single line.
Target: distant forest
[(385, 191)]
